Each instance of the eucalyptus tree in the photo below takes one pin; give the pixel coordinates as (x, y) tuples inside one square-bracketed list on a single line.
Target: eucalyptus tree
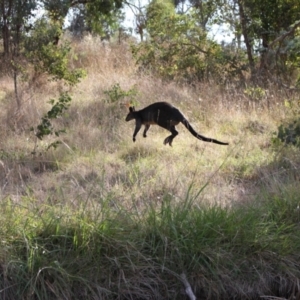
[(269, 28), (15, 18), (18, 30), (15, 22), (98, 16)]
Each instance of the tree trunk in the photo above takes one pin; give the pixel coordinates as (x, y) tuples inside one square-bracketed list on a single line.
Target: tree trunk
[(246, 37), (15, 57), (5, 35), (6, 11)]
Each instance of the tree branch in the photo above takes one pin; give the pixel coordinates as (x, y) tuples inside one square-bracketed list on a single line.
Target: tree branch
[(195, 46), (286, 34)]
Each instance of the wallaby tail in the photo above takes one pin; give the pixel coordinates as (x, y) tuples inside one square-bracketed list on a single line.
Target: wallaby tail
[(199, 136)]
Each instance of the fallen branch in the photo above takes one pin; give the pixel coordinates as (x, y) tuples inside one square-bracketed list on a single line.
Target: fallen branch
[(187, 286)]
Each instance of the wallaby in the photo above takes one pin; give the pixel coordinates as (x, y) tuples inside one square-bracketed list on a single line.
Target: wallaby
[(166, 116)]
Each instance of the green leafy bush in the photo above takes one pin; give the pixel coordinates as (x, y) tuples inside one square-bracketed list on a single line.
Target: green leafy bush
[(49, 58), (255, 93), (116, 94), (289, 133), (178, 48), (46, 127)]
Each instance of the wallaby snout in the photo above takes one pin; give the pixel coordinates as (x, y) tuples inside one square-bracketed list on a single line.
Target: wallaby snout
[(130, 115)]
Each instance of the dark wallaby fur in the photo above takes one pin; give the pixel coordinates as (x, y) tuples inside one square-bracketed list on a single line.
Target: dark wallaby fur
[(166, 116)]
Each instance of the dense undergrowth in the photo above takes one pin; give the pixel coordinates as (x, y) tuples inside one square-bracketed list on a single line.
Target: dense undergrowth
[(103, 218), (97, 251)]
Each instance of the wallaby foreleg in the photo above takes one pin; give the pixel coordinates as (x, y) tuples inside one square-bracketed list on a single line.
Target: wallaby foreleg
[(138, 125)]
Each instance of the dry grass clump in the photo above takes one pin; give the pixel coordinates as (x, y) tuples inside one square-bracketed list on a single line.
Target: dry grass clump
[(103, 59)]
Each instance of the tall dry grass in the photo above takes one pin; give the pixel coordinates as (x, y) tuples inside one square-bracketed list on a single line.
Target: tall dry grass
[(98, 141)]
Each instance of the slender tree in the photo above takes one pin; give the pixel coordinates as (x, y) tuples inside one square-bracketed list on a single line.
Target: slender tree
[(14, 22)]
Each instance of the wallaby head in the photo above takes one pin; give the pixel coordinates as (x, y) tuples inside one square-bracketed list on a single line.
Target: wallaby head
[(131, 114), (164, 115)]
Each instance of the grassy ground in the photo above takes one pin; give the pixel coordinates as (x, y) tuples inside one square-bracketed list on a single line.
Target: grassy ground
[(102, 217)]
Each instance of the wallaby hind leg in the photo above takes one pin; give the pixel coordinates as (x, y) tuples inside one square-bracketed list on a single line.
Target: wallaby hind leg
[(169, 139), (145, 130)]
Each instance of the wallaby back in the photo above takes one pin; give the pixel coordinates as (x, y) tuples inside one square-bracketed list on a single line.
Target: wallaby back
[(155, 113), (165, 115)]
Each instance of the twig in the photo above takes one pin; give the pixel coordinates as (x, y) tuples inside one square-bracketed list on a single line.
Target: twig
[(272, 298), (187, 286)]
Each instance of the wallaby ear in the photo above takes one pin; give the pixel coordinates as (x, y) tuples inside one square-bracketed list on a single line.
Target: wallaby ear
[(131, 109)]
